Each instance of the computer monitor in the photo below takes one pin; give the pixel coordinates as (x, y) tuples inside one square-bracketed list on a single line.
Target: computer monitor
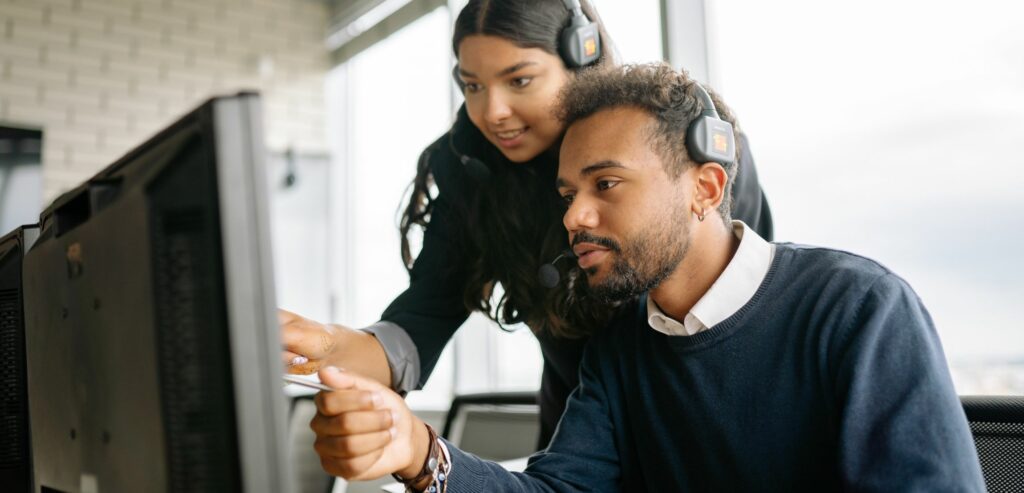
[(152, 342), (15, 457)]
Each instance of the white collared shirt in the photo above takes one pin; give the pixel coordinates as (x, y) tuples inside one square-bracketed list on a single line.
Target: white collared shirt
[(733, 289)]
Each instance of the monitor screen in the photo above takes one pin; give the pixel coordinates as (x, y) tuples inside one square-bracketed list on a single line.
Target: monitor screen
[(152, 344)]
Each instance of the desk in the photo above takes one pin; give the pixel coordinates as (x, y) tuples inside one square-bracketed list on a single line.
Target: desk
[(514, 465)]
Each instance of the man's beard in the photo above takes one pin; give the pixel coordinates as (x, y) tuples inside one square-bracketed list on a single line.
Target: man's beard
[(643, 263)]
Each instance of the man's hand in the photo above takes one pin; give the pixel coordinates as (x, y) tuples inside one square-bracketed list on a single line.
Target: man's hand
[(365, 431), (309, 345)]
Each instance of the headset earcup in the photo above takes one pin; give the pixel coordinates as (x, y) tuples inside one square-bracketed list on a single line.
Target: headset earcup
[(695, 140), (580, 44), (710, 139), (569, 42)]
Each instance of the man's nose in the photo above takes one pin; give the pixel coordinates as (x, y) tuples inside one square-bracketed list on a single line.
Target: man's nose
[(581, 215)]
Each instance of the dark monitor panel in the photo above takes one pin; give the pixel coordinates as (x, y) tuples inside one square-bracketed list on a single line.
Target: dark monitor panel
[(15, 455), (152, 342)]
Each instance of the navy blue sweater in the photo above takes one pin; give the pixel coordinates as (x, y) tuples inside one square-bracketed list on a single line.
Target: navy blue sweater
[(830, 378)]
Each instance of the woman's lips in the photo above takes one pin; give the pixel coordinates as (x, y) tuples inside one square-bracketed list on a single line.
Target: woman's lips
[(511, 138)]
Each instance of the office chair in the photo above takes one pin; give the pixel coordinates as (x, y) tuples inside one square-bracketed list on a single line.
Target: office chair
[(309, 476), (494, 426), (997, 424)]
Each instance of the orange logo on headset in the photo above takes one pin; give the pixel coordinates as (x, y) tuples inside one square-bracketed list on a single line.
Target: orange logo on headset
[(590, 47), (720, 142)]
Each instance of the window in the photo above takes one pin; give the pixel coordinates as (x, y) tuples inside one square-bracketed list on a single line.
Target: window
[(298, 213), (889, 129), (21, 184), (635, 28), (387, 104)]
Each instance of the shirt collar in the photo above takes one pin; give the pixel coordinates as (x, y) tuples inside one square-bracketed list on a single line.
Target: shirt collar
[(733, 289)]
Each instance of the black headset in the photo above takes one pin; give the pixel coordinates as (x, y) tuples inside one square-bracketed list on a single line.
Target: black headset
[(709, 138)]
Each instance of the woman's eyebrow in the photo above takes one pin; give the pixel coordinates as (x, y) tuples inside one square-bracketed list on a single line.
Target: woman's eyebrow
[(515, 68), (503, 72)]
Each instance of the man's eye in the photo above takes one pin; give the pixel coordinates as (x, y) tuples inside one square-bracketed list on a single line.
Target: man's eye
[(603, 185), (473, 87), (521, 82)]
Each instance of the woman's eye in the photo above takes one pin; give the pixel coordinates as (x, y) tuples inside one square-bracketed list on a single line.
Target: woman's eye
[(473, 87), (567, 198), (521, 82), (603, 185)]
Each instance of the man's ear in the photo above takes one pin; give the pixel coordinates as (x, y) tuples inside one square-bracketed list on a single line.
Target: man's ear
[(709, 185)]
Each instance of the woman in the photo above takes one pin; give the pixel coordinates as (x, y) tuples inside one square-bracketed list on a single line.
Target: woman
[(495, 217)]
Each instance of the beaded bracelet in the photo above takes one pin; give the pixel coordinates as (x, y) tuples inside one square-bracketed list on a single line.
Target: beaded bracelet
[(446, 468), (439, 481)]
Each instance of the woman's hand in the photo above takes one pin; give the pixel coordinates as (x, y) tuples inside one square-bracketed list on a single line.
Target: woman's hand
[(310, 345), (365, 431)]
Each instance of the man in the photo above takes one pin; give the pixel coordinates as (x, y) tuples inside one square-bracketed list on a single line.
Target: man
[(734, 365)]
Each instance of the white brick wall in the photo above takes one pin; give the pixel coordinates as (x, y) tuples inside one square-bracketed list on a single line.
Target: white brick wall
[(100, 76)]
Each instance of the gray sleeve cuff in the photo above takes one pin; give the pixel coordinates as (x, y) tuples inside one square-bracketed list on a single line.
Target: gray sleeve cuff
[(403, 357)]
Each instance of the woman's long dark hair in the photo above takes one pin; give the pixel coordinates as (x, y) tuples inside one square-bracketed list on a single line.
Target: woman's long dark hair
[(511, 224)]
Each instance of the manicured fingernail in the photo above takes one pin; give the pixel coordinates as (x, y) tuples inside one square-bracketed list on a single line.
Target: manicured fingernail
[(375, 397), (393, 431), (394, 417), (299, 360), (333, 369)]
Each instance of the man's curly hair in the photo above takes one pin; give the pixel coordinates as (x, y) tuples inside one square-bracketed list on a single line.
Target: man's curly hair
[(667, 95)]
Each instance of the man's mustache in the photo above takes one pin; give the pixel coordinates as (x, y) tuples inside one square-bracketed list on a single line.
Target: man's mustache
[(586, 237)]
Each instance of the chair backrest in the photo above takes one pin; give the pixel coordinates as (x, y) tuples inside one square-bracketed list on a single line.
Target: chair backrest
[(494, 426), (309, 476), (997, 423)]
